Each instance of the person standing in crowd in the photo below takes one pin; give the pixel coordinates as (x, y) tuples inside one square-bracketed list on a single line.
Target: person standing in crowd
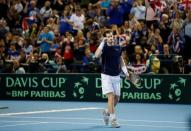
[(17, 68), (138, 10), (115, 13), (187, 36), (46, 11), (78, 19), (110, 51), (3, 9), (45, 40)]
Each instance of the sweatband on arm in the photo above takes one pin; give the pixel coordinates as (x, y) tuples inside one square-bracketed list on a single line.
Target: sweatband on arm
[(124, 69), (101, 45)]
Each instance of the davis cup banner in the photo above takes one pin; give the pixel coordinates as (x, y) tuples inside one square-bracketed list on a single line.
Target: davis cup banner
[(87, 87)]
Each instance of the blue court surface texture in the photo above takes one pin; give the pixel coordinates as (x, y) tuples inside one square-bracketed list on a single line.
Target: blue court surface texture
[(87, 116)]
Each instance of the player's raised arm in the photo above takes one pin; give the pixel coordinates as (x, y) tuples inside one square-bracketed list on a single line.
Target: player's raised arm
[(100, 48)]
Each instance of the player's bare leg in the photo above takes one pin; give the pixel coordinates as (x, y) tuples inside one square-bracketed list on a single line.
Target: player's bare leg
[(116, 100), (110, 112), (110, 109), (111, 103)]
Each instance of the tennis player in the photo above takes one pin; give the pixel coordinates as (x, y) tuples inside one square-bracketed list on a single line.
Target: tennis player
[(110, 50)]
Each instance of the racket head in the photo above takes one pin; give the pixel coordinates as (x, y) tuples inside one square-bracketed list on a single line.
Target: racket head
[(135, 79)]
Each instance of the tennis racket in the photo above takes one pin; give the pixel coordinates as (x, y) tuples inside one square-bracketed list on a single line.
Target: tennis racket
[(135, 72)]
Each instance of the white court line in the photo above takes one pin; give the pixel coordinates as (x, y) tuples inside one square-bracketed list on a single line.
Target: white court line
[(83, 118), (16, 121), (24, 124), (81, 123), (51, 111), (155, 126)]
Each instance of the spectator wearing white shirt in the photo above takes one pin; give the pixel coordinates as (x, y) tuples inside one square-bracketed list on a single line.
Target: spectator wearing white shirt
[(138, 10), (77, 19), (18, 6), (17, 68), (46, 10)]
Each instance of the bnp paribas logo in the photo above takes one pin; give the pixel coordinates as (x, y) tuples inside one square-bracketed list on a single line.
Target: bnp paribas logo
[(176, 88), (79, 88)]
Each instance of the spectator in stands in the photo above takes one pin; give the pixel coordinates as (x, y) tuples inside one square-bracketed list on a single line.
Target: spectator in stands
[(46, 11), (3, 28), (91, 12), (17, 68), (126, 5), (3, 9), (165, 27), (45, 40), (166, 60), (104, 4), (34, 64), (138, 10), (187, 36), (175, 41), (78, 19), (150, 12), (155, 65), (136, 33), (50, 66), (79, 49), (67, 54), (27, 46), (61, 66), (138, 56), (2, 55), (138, 60), (17, 6), (177, 21), (156, 40), (153, 62), (88, 62), (32, 11), (115, 13), (13, 52), (59, 5), (56, 42), (126, 28), (100, 17), (22, 57), (65, 24)]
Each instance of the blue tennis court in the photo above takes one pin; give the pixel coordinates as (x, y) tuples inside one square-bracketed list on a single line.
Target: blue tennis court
[(83, 116)]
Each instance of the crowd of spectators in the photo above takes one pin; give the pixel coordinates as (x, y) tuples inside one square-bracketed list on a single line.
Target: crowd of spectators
[(58, 36)]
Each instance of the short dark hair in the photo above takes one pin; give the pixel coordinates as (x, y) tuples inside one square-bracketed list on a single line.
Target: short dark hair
[(107, 32)]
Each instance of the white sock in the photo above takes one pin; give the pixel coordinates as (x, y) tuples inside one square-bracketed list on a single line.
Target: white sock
[(112, 116), (106, 110)]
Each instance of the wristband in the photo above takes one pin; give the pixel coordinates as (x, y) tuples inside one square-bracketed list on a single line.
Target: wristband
[(101, 45), (124, 69)]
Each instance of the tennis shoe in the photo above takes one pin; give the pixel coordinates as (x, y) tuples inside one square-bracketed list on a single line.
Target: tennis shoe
[(105, 117), (114, 124)]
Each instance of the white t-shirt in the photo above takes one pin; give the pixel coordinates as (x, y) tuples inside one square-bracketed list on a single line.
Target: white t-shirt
[(45, 13), (78, 21), (139, 12), (18, 7), (188, 30)]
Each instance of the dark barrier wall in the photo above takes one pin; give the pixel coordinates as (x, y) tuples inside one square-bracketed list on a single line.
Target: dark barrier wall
[(87, 87)]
